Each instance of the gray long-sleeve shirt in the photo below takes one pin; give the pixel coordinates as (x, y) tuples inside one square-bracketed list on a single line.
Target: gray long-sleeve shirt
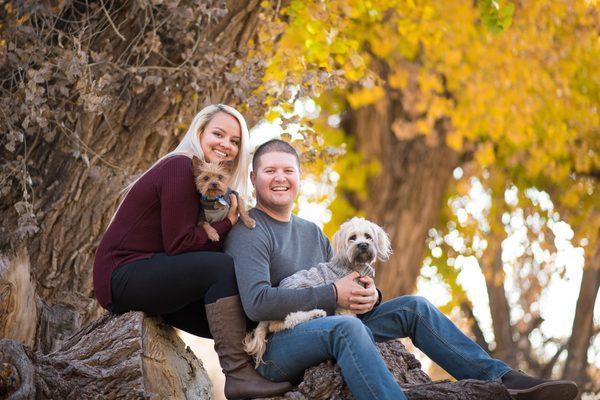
[(272, 251)]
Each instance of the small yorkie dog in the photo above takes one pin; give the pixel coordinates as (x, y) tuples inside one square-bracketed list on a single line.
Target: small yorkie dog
[(212, 182), (356, 246)]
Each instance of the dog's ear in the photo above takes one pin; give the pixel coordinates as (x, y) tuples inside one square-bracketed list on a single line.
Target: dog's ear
[(228, 165), (382, 243), (197, 164), (339, 242)]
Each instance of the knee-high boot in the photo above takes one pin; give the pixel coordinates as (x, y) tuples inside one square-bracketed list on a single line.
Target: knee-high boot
[(228, 327)]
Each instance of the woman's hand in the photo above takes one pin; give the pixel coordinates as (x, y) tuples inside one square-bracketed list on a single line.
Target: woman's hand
[(233, 209)]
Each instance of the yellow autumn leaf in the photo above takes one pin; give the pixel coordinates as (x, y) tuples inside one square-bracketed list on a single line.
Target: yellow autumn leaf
[(365, 96), (485, 154), (454, 140), (398, 79), (272, 115)]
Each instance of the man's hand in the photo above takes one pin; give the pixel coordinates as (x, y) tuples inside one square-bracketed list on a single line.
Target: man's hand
[(364, 299), (353, 296), (345, 287)]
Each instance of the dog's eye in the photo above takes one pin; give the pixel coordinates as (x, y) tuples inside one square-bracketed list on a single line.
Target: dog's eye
[(206, 178), (368, 236), (353, 237), (220, 177)]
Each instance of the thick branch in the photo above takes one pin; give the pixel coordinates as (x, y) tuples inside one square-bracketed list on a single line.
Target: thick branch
[(583, 324)]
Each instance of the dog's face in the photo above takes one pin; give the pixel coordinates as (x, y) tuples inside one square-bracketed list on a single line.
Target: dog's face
[(211, 178), (361, 241)]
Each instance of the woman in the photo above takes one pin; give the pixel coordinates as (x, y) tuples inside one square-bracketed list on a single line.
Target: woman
[(154, 258)]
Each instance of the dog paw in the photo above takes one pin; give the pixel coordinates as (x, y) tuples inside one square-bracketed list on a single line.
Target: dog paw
[(249, 222)]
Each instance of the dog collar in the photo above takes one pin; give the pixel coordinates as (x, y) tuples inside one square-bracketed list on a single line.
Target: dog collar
[(219, 199)]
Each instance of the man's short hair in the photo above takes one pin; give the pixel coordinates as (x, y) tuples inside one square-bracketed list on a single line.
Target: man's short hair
[(273, 146)]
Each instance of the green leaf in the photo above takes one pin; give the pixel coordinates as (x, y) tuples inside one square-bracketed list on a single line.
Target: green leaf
[(495, 17)]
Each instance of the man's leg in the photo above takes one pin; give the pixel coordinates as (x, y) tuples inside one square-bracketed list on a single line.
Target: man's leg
[(434, 334), (342, 338), (438, 337)]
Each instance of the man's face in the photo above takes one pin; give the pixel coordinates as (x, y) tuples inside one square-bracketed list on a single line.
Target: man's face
[(276, 181)]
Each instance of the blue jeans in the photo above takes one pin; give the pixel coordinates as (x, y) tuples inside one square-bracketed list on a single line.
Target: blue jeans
[(351, 342)]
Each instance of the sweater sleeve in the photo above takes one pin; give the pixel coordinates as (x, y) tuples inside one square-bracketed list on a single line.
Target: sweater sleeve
[(179, 203), (251, 252)]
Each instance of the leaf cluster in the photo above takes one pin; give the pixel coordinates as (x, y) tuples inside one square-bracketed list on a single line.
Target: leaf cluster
[(523, 101)]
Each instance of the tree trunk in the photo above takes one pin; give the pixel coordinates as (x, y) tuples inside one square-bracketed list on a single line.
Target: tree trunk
[(128, 357), (83, 157), (493, 271), (466, 308), (583, 324), (407, 195)]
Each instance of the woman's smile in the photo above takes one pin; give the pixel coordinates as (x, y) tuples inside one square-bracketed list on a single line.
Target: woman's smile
[(221, 138)]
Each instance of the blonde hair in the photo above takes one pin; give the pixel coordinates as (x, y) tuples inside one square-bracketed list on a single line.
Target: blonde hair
[(190, 146)]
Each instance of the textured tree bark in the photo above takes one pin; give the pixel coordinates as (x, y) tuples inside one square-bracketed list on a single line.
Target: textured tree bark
[(407, 195), (126, 357), (18, 304), (75, 196), (583, 324), (325, 381)]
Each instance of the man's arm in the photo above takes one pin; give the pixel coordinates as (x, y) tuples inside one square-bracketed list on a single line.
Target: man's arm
[(251, 253)]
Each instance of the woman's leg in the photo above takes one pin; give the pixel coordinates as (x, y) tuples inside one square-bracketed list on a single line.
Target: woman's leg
[(165, 284), (227, 323), (196, 292), (342, 338), (191, 318)]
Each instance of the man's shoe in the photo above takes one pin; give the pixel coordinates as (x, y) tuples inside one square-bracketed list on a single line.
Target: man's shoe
[(524, 387)]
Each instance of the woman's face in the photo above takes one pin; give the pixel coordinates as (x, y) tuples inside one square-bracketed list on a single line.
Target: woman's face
[(221, 138)]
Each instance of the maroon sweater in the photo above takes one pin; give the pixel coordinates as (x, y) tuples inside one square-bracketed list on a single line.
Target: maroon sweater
[(158, 215)]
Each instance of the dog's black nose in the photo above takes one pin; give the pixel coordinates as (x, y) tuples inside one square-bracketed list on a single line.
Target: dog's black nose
[(363, 246), (214, 185)]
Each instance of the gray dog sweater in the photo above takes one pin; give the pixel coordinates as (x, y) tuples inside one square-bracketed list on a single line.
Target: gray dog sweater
[(272, 251), (325, 273)]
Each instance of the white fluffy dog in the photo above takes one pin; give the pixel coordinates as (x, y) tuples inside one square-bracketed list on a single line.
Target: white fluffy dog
[(356, 245)]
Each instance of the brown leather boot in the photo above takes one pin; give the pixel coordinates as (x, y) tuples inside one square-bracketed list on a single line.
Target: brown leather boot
[(228, 328)]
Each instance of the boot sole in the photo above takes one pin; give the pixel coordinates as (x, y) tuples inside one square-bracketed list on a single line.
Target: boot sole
[(557, 390)]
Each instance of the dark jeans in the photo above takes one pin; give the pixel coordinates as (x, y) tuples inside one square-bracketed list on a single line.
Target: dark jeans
[(175, 287)]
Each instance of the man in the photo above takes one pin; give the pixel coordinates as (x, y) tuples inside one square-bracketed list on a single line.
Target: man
[(282, 244)]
